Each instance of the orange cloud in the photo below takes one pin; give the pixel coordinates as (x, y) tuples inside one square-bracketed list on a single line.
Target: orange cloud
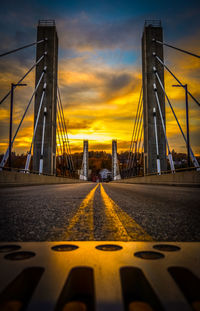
[(100, 102)]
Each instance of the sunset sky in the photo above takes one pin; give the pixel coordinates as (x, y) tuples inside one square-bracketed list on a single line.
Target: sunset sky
[(100, 66)]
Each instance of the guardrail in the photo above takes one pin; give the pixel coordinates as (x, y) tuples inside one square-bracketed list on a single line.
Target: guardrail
[(20, 170), (177, 170)]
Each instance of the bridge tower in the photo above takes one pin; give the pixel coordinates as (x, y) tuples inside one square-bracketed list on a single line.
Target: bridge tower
[(46, 29), (152, 30), (84, 169), (115, 166)]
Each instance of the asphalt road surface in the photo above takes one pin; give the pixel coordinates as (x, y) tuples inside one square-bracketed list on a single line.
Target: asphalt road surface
[(89, 211)]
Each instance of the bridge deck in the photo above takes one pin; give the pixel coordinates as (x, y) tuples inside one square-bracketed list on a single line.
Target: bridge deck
[(88, 211)]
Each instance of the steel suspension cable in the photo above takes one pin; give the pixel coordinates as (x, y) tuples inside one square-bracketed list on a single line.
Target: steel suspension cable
[(172, 109), (61, 147), (134, 126), (38, 114), (195, 162), (138, 116), (66, 132), (164, 129), (139, 130), (58, 133), (34, 65), (164, 65), (134, 133), (62, 120), (63, 135), (178, 49), (138, 146), (138, 141), (136, 130), (35, 127), (140, 136), (5, 157), (161, 116), (22, 47), (60, 138), (61, 129)]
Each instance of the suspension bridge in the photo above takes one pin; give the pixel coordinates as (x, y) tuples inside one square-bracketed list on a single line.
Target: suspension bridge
[(50, 142), (136, 207), (150, 159)]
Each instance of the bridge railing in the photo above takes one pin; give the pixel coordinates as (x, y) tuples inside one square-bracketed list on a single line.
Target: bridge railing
[(177, 170), (152, 23), (46, 22)]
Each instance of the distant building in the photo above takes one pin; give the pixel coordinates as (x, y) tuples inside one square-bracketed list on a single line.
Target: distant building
[(105, 174)]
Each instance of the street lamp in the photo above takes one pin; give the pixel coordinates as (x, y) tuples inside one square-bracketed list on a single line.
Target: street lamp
[(187, 120), (13, 86)]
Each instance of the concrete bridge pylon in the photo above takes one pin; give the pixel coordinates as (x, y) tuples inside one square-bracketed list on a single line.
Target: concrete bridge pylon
[(152, 31), (46, 30), (85, 166), (115, 166)]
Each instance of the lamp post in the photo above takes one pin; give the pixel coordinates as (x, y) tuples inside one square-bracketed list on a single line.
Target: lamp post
[(187, 121), (11, 117)]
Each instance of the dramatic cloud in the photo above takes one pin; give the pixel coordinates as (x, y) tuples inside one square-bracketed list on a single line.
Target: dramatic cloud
[(84, 34), (99, 68)]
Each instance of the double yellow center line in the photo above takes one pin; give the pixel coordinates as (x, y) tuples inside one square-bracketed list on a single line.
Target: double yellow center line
[(85, 215), (118, 225), (125, 227)]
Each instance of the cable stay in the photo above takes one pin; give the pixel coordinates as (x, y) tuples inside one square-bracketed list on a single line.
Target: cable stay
[(26, 74), (35, 129), (136, 137), (140, 139), (156, 138), (137, 129), (61, 132), (137, 141), (194, 160), (42, 145), (59, 137), (66, 132), (164, 130), (6, 155), (134, 127), (22, 47), (60, 145), (173, 75), (174, 47), (63, 138)]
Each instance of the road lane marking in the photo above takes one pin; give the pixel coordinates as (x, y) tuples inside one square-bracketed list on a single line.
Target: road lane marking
[(84, 216), (113, 226), (122, 225)]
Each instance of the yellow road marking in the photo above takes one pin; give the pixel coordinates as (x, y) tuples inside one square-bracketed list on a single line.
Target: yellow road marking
[(84, 216), (113, 224), (122, 225)]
